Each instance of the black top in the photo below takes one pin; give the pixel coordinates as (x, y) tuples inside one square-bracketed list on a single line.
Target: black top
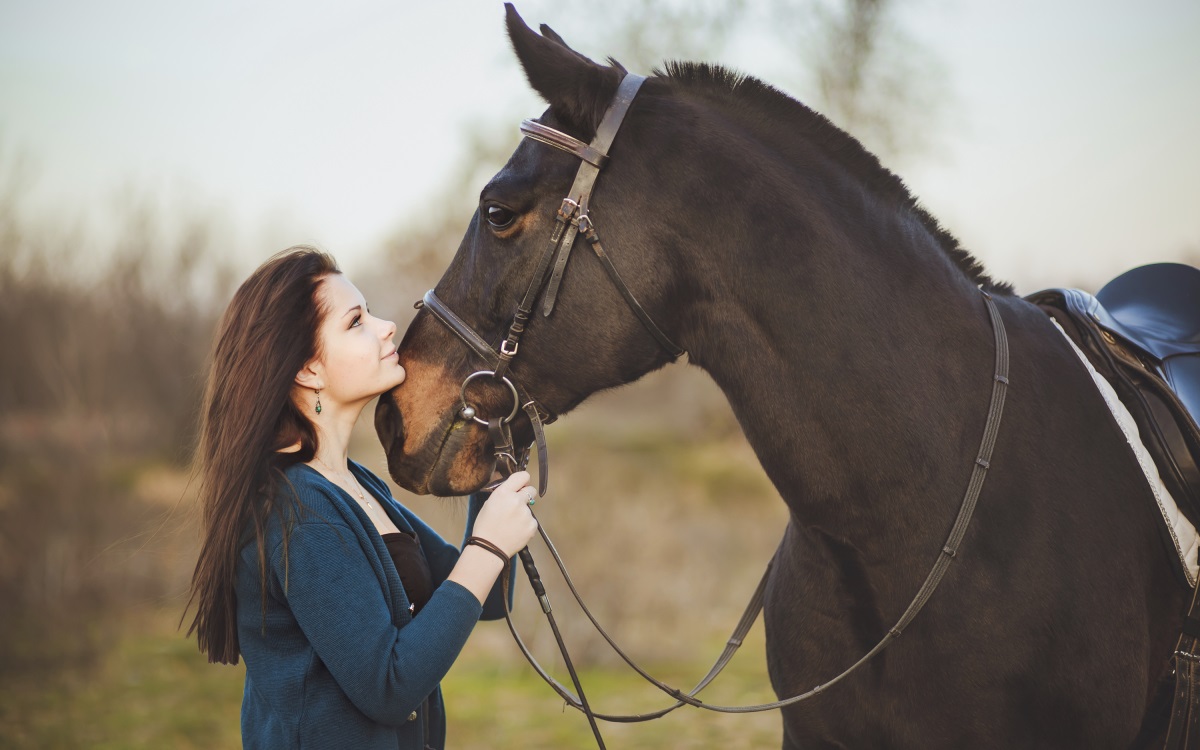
[(410, 562)]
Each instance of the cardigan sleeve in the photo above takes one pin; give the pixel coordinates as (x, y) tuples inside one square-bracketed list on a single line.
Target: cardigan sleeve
[(334, 594), (442, 556)]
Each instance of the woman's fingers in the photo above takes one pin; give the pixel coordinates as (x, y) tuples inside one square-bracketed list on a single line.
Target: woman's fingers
[(515, 481), (506, 519)]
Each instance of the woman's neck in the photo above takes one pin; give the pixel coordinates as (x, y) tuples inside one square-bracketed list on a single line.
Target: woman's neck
[(334, 428)]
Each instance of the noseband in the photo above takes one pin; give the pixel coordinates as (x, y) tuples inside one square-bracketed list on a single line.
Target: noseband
[(571, 220)]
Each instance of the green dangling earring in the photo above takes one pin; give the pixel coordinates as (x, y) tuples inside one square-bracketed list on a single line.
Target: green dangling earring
[(318, 401)]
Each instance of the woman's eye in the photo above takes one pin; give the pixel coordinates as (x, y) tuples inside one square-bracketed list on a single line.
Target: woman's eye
[(499, 216), (356, 322)]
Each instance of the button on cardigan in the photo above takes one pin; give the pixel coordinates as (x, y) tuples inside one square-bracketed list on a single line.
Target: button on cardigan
[(335, 659)]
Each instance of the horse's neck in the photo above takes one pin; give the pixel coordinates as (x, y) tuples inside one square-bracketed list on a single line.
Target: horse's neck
[(862, 397)]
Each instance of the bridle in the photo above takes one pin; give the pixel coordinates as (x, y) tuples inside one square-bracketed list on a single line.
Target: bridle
[(572, 219)]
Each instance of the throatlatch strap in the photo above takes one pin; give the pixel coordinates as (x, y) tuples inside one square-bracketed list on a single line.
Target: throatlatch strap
[(672, 348)]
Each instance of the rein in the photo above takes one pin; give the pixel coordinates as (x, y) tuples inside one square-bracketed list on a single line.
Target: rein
[(572, 219)]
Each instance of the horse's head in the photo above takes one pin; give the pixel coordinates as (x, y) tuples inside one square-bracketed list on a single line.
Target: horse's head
[(592, 340)]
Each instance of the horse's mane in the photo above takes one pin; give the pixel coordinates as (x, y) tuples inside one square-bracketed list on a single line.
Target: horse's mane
[(835, 142)]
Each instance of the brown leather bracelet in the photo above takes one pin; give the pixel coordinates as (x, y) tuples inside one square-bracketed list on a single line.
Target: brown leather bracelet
[(481, 542)]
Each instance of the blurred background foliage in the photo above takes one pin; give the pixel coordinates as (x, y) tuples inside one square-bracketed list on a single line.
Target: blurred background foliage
[(657, 502)]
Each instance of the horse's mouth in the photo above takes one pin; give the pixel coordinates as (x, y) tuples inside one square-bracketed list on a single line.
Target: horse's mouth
[(460, 465), (452, 461)]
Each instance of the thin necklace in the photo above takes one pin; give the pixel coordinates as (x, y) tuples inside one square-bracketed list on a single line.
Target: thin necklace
[(357, 487)]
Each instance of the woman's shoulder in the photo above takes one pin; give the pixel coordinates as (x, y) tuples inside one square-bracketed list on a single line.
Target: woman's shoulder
[(305, 480), (301, 473), (316, 497), (303, 497)]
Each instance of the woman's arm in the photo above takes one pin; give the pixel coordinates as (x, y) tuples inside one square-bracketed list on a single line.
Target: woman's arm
[(335, 596), (494, 605), (504, 519), (443, 557)]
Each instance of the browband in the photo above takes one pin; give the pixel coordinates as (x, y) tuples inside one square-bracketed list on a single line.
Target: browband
[(560, 140), (595, 153)]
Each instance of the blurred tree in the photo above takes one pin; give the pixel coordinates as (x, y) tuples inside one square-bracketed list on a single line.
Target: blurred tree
[(105, 340)]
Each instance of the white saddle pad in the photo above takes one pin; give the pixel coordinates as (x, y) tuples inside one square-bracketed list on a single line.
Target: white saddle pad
[(1181, 531)]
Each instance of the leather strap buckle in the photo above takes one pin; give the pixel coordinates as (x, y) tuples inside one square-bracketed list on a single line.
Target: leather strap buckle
[(567, 209)]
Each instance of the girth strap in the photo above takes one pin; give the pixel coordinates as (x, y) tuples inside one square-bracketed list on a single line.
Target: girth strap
[(1183, 732)]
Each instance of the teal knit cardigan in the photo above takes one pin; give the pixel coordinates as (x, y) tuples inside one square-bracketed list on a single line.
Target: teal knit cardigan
[(336, 660)]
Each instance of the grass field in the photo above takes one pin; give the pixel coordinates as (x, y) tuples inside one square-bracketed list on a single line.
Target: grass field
[(153, 690)]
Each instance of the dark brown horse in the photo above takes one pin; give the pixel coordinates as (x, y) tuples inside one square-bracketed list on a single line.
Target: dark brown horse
[(847, 330)]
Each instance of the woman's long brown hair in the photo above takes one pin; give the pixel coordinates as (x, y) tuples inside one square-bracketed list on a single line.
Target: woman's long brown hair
[(268, 333)]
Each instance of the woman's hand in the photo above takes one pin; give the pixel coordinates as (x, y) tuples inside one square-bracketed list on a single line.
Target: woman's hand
[(505, 519)]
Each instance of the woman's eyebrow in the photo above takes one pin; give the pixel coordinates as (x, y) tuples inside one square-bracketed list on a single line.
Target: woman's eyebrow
[(356, 307)]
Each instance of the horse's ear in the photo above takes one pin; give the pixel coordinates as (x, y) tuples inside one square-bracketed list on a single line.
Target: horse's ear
[(550, 33), (577, 89)]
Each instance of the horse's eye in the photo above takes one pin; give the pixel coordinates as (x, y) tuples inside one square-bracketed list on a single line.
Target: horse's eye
[(499, 216)]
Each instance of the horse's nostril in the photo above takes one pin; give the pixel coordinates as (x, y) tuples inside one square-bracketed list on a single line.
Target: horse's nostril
[(388, 422)]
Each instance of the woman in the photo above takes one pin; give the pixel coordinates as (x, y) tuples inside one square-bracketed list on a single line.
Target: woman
[(347, 608)]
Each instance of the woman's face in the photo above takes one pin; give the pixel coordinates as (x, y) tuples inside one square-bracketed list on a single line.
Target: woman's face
[(358, 357)]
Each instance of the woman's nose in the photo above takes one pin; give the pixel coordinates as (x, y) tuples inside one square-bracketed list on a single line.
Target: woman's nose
[(389, 329)]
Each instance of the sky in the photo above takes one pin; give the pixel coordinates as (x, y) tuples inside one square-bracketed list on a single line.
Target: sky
[(1071, 151)]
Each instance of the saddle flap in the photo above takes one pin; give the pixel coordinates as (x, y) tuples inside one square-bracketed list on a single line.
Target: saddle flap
[(1156, 307), (1183, 374)]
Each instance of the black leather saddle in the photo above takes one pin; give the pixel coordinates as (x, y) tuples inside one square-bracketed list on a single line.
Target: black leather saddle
[(1142, 333)]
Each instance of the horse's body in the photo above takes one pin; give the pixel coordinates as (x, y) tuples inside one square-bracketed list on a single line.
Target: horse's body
[(848, 333)]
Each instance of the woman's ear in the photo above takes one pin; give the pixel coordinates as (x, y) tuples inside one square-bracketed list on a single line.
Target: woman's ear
[(311, 376)]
